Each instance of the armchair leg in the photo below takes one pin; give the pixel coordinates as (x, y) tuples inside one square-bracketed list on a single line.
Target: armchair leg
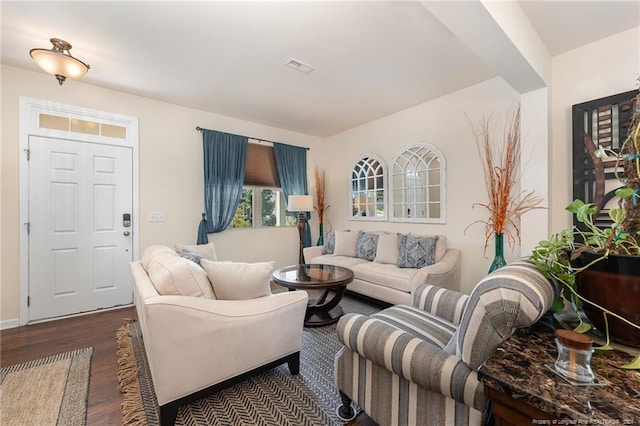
[(346, 411), (168, 414), (293, 362)]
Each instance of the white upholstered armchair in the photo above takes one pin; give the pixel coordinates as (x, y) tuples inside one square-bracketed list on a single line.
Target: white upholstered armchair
[(196, 345), (417, 365)]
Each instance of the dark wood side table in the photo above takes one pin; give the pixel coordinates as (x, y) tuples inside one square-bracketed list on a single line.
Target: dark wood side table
[(332, 282), (525, 392)]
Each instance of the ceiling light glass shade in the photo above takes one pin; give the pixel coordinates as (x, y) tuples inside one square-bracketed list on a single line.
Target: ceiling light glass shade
[(300, 203), (58, 63)]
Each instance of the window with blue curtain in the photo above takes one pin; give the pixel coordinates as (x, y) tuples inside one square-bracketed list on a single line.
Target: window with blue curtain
[(224, 158), (291, 163)]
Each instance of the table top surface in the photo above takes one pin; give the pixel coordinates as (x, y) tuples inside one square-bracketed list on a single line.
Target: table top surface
[(313, 276), (518, 369)]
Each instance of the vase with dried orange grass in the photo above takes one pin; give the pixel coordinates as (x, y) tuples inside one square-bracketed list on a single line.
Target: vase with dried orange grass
[(501, 166), (320, 206)]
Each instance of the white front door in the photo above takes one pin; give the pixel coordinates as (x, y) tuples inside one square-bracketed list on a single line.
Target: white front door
[(79, 246)]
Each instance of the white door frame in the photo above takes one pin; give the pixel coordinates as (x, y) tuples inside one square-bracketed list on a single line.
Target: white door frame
[(30, 109)]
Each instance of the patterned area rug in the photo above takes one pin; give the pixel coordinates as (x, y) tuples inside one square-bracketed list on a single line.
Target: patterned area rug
[(47, 391), (271, 398)]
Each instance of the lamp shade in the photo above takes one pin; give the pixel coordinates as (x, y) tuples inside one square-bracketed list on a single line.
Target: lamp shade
[(58, 63), (300, 203)]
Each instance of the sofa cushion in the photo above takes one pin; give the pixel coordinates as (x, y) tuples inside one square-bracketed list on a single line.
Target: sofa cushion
[(346, 243), (174, 275), (205, 251), (387, 250), (416, 252), (385, 275), (238, 280), (344, 261), (329, 243), (366, 245)]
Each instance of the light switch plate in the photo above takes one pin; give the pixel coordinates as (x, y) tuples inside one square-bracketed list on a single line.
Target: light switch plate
[(156, 216)]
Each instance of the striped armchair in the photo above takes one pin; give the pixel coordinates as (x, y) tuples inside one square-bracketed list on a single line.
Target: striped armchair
[(417, 365)]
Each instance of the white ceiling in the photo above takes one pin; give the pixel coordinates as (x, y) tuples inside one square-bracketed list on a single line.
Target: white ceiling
[(371, 59)]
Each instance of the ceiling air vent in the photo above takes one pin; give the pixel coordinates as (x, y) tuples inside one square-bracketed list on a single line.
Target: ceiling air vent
[(299, 65)]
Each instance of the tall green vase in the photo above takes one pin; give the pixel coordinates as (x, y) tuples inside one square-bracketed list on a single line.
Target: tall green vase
[(498, 260), (321, 237)]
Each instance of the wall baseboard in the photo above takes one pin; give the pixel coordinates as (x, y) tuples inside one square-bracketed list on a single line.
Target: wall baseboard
[(11, 323)]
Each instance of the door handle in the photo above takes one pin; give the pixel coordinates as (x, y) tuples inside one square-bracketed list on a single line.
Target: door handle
[(126, 233)]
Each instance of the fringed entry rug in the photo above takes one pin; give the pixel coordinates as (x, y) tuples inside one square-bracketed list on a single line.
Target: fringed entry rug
[(271, 398), (47, 391)]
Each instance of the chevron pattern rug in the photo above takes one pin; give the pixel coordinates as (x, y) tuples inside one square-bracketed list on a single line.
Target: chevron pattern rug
[(272, 398)]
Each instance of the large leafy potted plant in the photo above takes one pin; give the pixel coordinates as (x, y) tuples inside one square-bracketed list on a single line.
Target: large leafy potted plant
[(600, 267)]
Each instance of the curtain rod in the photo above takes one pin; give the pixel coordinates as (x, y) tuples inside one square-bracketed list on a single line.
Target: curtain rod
[(200, 129)]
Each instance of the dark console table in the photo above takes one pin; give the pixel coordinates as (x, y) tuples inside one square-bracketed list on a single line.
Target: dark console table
[(524, 391)]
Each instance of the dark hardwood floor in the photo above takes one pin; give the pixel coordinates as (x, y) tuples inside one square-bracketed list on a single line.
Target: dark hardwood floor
[(98, 329)]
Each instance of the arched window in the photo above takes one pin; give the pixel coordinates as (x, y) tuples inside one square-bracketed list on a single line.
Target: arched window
[(418, 185), (368, 197)]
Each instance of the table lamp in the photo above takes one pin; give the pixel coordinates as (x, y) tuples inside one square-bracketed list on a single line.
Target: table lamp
[(300, 204)]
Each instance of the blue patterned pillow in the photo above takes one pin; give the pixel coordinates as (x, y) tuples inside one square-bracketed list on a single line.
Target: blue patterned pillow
[(366, 245), (329, 243), (416, 252)]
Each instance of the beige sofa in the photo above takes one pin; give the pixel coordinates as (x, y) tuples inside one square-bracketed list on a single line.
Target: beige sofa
[(382, 279), (199, 344)]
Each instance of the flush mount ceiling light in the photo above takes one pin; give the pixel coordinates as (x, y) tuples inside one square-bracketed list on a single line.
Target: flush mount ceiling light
[(59, 62)]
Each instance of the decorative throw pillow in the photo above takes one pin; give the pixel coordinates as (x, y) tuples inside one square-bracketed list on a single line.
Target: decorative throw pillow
[(205, 251), (239, 281), (191, 256), (329, 243), (152, 251), (416, 252), (174, 275), (366, 245), (387, 250), (441, 245), (346, 243)]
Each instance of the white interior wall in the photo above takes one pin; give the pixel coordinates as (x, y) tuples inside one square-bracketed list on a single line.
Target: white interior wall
[(170, 147), (603, 68), (170, 172), (599, 69), (442, 123), (534, 163)]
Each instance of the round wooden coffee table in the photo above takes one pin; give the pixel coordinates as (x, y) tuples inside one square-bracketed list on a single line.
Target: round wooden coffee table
[(332, 282)]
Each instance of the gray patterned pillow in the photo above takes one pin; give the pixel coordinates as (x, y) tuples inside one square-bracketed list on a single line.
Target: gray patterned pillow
[(329, 243), (416, 252), (191, 256), (366, 245)]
